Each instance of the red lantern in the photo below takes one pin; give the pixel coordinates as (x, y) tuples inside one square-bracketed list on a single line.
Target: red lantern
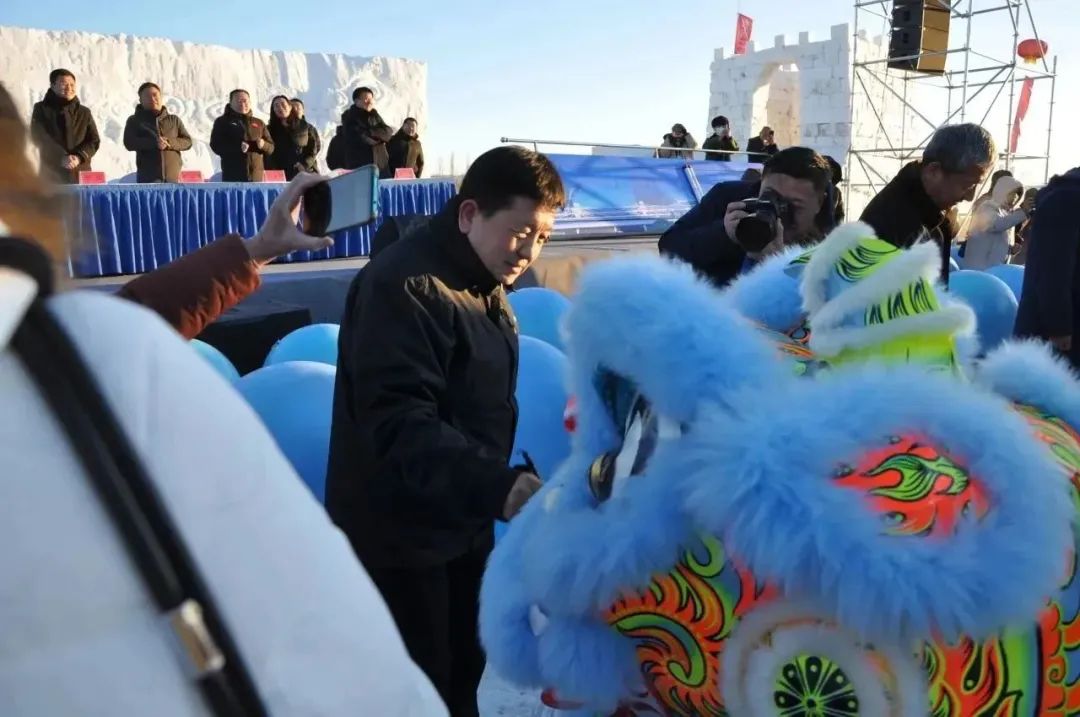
[(1032, 50)]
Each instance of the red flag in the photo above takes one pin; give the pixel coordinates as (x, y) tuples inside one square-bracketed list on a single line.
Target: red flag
[(1021, 112), (744, 28)]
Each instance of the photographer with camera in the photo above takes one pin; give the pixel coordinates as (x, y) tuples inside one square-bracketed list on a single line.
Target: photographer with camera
[(736, 224)]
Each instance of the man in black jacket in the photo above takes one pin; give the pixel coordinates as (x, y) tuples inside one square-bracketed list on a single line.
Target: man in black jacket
[(405, 149), (705, 237), (763, 146), (156, 137), (241, 140), (920, 202), (64, 130), (424, 410), (365, 134), (1050, 302)]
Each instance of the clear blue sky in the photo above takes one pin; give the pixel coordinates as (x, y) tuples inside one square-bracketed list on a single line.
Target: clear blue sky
[(594, 70)]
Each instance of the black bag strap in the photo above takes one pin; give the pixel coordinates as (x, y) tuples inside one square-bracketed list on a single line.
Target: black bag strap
[(153, 542)]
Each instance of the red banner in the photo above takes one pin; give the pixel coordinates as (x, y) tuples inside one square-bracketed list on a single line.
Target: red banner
[(744, 28), (1021, 112)]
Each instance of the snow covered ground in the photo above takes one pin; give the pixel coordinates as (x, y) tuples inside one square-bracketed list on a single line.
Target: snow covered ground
[(196, 80)]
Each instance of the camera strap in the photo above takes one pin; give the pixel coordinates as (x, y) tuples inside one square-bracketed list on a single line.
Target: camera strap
[(129, 497)]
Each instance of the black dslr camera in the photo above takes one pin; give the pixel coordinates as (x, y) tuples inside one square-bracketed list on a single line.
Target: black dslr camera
[(753, 233)]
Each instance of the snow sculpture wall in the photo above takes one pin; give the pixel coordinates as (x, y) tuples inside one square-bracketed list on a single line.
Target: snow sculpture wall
[(804, 92), (196, 80)]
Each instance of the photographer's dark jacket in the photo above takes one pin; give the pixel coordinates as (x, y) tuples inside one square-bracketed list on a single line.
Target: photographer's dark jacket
[(141, 137), (231, 130), (424, 409), (902, 214), (61, 128), (699, 237)]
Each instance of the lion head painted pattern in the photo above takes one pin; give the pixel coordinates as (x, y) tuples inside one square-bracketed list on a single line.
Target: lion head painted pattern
[(737, 535)]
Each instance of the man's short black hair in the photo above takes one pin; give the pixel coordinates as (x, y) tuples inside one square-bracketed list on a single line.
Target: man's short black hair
[(500, 175), (234, 92), (1000, 174), (359, 91), (801, 163), (146, 85), (58, 73), (678, 127), (409, 119), (837, 171), (298, 101), (720, 121)]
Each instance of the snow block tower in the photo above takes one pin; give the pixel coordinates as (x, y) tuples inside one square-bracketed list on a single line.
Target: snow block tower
[(804, 91)]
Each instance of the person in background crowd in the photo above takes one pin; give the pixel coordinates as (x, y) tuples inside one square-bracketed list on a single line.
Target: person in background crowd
[(720, 139), (241, 140), (325, 645), (1050, 302), (997, 176), (156, 137), (752, 174), (678, 144), (405, 149), (364, 136), (838, 198), (920, 202), (424, 411), (64, 130), (991, 239), (760, 148), (705, 236), (314, 140), (1023, 232), (294, 151)]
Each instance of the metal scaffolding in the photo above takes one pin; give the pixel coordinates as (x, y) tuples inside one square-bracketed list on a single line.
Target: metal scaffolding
[(980, 71)]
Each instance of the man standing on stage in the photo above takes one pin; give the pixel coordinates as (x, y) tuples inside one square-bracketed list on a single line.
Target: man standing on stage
[(156, 137), (241, 140), (64, 130), (424, 410)]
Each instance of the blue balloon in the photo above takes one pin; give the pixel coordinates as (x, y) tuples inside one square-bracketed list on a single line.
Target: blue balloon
[(216, 359), (992, 301), (1012, 275), (317, 342), (539, 313), (295, 401), (541, 396)]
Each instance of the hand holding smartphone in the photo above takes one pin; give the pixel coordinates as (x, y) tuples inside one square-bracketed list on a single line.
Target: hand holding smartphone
[(345, 201)]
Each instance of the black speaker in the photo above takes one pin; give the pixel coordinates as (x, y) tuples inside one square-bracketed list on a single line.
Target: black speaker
[(920, 35)]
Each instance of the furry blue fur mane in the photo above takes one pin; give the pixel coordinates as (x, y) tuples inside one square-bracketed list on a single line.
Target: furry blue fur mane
[(754, 468)]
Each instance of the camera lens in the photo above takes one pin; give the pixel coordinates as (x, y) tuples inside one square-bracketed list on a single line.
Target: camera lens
[(753, 233)]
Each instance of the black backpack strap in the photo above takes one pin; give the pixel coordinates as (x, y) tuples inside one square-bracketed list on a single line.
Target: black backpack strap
[(153, 542)]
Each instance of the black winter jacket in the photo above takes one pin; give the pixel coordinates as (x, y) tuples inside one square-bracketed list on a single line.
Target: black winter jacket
[(358, 125), (1050, 303), (424, 409), (231, 130), (141, 137), (725, 143), (406, 153), (293, 144), (60, 129)]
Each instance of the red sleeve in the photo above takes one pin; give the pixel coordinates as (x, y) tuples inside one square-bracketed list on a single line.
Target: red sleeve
[(194, 290)]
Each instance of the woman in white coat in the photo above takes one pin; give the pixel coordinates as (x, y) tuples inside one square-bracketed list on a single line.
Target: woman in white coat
[(990, 238), (83, 633)]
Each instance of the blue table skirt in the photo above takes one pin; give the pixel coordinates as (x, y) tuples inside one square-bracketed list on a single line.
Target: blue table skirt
[(130, 229)]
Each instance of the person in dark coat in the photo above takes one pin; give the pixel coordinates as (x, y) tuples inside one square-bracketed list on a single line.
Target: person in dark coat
[(294, 152), (365, 134), (720, 139), (314, 140), (64, 130), (760, 148), (424, 411), (1050, 301), (838, 196), (156, 137), (920, 202), (704, 237), (241, 140), (405, 149)]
